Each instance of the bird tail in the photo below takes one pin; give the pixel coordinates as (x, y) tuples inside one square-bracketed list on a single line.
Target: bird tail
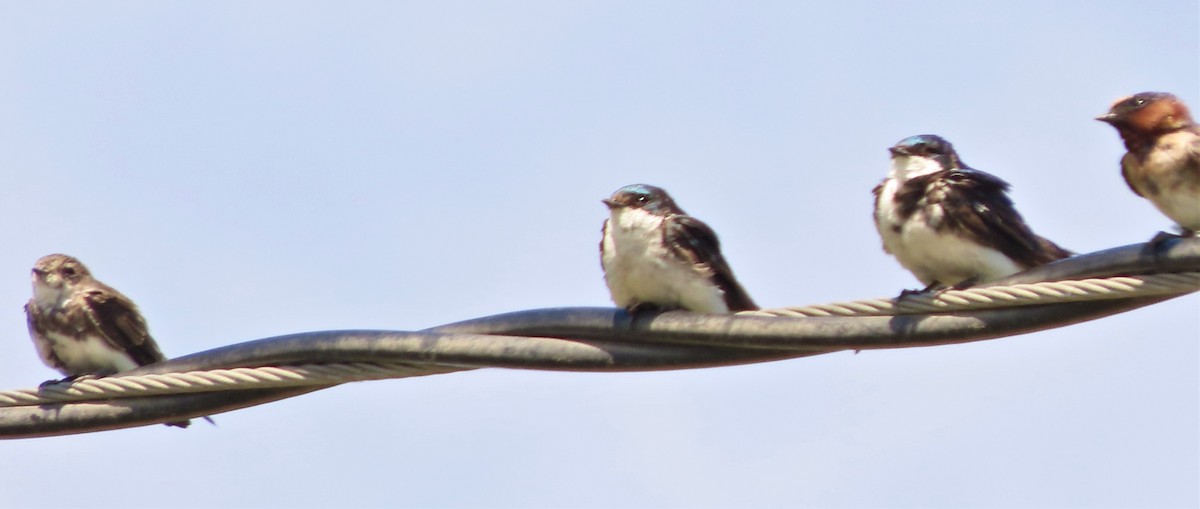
[(1049, 251), (184, 424)]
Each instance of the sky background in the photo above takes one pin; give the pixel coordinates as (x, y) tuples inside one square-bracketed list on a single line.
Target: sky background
[(249, 169)]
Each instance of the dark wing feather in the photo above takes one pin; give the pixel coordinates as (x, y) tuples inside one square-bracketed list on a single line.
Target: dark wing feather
[(1137, 161), (1126, 168), (692, 240), (1192, 167), (603, 235), (977, 202), (878, 192), (117, 318)]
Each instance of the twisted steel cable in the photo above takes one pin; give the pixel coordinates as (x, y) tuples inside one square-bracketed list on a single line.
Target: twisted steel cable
[(1048, 292), (604, 339)]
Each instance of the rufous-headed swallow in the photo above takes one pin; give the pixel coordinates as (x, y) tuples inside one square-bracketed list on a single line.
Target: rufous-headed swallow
[(1163, 159)]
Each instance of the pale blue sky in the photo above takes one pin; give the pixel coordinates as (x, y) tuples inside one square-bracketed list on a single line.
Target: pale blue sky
[(249, 169)]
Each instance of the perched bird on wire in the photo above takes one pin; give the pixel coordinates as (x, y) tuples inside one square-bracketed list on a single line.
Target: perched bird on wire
[(950, 225), (1163, 159), (82, 327), (654, 255)]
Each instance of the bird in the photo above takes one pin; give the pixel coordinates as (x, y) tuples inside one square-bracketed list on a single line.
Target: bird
[(950, 225), (655, 256), (81, 326), (1163, 159)]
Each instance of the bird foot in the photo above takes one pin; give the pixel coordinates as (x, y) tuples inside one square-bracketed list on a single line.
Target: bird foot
[(934, 286), (1160, 243), (644, 308), (68, 380), (1162, 237)]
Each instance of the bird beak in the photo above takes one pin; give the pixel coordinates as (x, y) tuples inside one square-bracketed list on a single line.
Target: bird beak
[(898, 151), (1107, 118), (611, 204)]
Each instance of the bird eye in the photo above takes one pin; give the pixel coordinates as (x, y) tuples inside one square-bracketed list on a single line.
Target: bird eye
[(68, 271), (1139, 101)]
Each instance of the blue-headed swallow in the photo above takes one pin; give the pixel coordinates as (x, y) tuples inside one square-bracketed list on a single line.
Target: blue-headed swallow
[(654, 255), (1163, 159), (950, 225)]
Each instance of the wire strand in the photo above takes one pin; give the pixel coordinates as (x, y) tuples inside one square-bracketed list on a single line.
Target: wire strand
[(1082, 288)]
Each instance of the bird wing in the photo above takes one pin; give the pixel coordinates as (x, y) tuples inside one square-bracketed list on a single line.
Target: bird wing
[(1127, 167), (690, 239), (118, 320), (980, 205), (1135, 167), (878, 192), (603, 236), (1193, 156)]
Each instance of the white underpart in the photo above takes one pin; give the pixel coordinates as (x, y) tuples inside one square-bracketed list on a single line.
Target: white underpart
[(92, 355), (931, 255), (1182, 207), (1175, 200), (638, 268)]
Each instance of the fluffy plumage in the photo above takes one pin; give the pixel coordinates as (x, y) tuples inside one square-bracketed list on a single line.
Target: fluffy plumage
[(1163, 159), (951, 225), (81, 326), (654, 254)]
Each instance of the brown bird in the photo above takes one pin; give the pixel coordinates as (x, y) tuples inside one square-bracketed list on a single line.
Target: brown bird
[(1163, 159), (81, 326)]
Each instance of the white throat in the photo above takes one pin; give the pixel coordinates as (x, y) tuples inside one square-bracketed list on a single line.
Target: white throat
[(639, 268), (629, 219), (907, 167), (46, 296)]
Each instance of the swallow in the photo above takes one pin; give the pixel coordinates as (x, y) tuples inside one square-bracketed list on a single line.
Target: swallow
[(654, 255), (81, 326), (1163, 159), (951, 225)]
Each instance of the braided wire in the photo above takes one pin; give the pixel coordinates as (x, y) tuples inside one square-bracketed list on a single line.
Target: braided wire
[(245, 378), (970, 299), (1081, 288), (264, 377)]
